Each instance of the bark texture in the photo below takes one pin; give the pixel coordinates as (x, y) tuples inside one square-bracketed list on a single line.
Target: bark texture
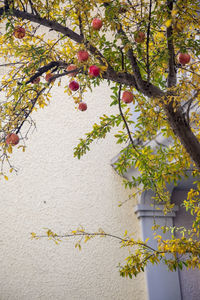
[(183, 131)]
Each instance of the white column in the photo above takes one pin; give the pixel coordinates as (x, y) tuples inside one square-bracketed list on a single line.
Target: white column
[(161, 283)]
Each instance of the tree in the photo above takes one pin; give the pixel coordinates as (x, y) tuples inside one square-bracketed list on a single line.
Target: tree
[(149, 50)]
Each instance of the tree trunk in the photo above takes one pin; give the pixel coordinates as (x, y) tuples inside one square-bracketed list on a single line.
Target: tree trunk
[(184, 132)]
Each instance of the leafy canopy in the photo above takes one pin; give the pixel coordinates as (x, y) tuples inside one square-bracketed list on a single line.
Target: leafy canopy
[(137, 50)]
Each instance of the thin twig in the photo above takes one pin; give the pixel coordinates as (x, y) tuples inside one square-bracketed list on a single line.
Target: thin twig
[(172, 78), (147, 43), (122, 115), (33, 104)]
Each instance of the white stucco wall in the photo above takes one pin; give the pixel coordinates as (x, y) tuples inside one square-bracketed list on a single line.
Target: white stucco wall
[(55, 190)]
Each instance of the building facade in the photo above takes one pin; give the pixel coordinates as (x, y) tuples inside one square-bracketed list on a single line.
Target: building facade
[(52, 189)]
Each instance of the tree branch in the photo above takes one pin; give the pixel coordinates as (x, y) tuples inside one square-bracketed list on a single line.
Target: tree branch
[(33, 104), (33, 8), (122, 115), (47, 23), (147, 43), (189, 103), (46, 69), (171, 62), (141, 85), (132, 80)]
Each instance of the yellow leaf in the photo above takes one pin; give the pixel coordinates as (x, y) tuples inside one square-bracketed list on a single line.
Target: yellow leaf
[(33, 235), (168, 23), (137, 164), (160, 36), (9, 149), (6, 177), (86, 239), (174, 12), (104, 68), (157, 237)]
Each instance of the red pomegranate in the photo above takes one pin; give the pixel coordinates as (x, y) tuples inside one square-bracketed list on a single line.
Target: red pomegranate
[(19, 32), (82, 106), (127, 97), (12, 139)]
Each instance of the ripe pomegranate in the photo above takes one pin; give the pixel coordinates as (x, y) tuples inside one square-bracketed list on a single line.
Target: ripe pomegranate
[(71, 68), (127, 97), (19, 32), (183, 58), (82, 55), (97, 23), (94, 71), (74, 85), (82, 106), (12, 139)]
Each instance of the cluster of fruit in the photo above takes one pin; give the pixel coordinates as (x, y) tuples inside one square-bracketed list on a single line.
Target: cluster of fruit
[(94, 71), (83, 56)]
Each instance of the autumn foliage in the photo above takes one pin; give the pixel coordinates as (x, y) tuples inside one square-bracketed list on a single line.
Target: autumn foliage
[(148, 52)]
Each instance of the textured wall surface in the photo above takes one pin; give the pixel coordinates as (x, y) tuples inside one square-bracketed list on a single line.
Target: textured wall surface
[(55, 190)]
